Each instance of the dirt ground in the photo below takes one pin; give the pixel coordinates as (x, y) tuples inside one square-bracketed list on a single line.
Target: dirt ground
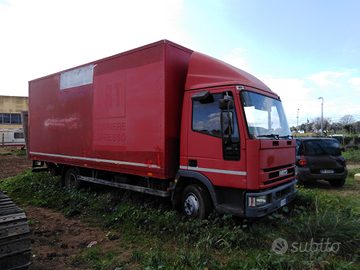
[(11, 165), (56, 240)]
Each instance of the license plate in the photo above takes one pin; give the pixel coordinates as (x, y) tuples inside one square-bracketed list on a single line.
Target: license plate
[(326, 171), (283, 202), (283, 172)]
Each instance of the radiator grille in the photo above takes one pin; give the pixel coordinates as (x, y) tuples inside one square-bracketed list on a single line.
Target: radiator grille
[(275, 174)]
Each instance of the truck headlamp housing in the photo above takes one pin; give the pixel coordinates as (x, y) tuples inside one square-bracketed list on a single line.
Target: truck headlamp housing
[(258, 200)]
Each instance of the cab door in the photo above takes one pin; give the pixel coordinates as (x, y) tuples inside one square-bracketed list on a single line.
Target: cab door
[(209, 151)]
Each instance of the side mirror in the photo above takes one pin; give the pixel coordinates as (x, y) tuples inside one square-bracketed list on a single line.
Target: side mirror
[(226, 103), (227, 123), (200, 96)]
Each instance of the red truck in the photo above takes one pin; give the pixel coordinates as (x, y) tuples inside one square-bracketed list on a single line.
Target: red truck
[(168, 121)]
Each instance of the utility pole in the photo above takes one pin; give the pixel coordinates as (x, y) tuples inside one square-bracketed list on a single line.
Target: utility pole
[(297, 126), (322, 119)]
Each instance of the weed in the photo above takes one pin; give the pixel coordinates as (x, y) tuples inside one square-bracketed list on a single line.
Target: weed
[(20, 153), (338, 226), (137, 255), (147, 226), (351, 155), (351, 173), (95, 259)]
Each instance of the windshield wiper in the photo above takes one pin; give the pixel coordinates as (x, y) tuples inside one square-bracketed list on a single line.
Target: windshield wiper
[(286, 136), (276, 136), (323, 149)]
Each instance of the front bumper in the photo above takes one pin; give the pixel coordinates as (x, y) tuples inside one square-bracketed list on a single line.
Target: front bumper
[(278, 197)]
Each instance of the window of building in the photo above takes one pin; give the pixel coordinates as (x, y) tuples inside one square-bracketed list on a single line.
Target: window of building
[(10, 118), (15, 118)]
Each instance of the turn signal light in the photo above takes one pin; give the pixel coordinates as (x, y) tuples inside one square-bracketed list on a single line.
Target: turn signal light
[(302, 161)]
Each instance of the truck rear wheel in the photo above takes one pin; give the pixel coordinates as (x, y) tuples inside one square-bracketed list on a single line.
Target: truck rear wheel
[(196, 202), (70, 179)]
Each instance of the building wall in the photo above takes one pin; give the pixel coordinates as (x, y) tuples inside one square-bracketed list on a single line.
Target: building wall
[(10, 111)]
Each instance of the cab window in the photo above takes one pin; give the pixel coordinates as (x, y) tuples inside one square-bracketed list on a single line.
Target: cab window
[(206, 116)]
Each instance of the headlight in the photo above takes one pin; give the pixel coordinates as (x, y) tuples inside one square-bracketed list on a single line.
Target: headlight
[(258, 201)]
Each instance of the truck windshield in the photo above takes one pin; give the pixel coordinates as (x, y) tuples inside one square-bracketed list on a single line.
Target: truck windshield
[(265, 117)]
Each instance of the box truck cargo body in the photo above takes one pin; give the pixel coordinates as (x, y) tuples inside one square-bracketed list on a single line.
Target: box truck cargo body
[(119, 114), (165, 120)]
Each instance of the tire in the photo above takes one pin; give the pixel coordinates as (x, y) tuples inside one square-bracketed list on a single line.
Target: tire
[(337, 182), (70, 179), (300, 181), (196, 202)]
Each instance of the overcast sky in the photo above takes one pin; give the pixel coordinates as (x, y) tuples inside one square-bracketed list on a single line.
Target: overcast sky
[(301, 49)]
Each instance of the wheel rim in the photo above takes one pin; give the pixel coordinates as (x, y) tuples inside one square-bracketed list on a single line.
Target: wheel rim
[(191, 205), (71, 180)]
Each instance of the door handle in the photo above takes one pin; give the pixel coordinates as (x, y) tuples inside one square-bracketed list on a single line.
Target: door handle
[(192, 163)]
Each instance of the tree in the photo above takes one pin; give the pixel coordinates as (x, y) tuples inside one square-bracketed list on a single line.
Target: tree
[(306, 127), (335, 127), (356, 127), (348, 128), (347, 120), (316, 126)]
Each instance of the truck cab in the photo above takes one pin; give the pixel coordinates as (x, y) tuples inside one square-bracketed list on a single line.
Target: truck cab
[(236, 148)]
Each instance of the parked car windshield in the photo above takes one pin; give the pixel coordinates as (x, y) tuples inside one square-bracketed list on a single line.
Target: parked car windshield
[(322, 147), (265, 117)]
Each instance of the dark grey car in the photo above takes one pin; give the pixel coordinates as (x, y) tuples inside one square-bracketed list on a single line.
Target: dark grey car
[(320, 159)]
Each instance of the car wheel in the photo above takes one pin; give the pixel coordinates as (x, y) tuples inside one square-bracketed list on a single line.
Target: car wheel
[(300, 181), (70, 179), (337, 182), (196, 202)]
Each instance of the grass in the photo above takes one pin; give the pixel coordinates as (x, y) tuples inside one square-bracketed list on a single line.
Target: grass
[(350, 180), (352, 155), (5, 151), (20, 153), (160, 238), (316, 225), (12, 151)]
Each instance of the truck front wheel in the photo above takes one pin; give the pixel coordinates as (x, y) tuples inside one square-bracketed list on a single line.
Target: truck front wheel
[(70, 179), (196, 202)]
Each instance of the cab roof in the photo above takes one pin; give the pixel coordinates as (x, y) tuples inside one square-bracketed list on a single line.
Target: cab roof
[(205, 71)]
